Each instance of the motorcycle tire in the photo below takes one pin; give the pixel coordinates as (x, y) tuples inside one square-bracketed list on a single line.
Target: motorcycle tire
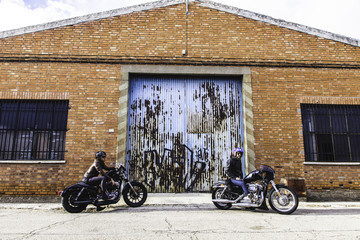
[(287, 203), (135, 197), (216, 194), (67, 202)]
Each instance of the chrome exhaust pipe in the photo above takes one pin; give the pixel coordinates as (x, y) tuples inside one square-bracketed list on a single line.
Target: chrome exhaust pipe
[(235, 203), (223, 201), (246, 205)]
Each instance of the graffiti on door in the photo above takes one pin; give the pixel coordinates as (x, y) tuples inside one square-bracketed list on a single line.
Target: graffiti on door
[(177, 168), (180, 129)]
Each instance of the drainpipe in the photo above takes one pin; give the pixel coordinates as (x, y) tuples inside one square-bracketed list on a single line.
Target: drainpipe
[(187, 7)]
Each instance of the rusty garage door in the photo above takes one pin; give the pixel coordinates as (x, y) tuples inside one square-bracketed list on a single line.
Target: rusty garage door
[(181, 129)]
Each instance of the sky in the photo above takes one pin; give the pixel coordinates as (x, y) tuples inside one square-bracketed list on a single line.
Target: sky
[(335, 16)]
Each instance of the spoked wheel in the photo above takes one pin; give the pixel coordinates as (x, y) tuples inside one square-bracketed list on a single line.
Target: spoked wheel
[(217, 195), (135, 196), (67, 202), (286, 203)]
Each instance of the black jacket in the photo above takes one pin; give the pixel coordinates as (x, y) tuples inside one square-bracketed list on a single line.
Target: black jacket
[(97, 167), (233, 168)]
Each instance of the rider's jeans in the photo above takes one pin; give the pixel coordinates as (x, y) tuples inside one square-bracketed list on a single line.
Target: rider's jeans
[(241, 184)]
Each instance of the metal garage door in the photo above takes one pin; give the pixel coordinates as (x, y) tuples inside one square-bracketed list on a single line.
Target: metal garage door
[(181, 129)]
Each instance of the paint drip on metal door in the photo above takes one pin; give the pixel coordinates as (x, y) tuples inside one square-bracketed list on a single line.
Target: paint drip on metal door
[(181, 129)]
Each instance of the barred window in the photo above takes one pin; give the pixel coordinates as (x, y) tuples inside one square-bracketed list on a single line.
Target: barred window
[(331, 132), (33, 129)]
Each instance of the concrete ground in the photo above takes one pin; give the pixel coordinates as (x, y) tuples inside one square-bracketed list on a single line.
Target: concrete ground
[(166, 199)]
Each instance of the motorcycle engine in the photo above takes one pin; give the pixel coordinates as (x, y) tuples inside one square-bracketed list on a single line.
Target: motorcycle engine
[(255, 190), (254, 187)]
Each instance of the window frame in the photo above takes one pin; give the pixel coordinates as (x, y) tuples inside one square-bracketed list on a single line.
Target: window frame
[(33, 130), (330, 132)]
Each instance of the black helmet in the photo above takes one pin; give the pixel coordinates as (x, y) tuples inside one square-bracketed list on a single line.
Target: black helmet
[(100, 155)]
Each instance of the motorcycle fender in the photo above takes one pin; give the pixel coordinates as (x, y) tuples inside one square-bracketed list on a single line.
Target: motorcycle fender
[(218, 185), (75, 186)]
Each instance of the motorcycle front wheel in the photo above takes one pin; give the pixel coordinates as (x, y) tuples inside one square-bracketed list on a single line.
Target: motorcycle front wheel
[(216, 194), (67, 202), (286, 203), (135, 196)]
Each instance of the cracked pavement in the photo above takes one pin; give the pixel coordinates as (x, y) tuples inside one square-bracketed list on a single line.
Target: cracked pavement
[(191, 221), (191, 216)]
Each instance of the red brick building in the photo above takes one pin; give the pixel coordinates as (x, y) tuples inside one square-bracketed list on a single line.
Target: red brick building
[(169, 89)]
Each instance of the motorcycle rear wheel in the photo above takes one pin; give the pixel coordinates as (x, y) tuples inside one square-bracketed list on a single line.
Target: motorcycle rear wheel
[(135, 197), (67, 202), (286, 203), (216, 194)]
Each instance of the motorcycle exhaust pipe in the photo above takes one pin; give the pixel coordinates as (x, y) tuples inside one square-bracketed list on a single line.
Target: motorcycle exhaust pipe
[(224, 201), (83, 202), (227, 200), (235, 203), (246, 205)]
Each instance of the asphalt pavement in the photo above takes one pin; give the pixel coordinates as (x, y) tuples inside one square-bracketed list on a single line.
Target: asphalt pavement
[(178, 199)]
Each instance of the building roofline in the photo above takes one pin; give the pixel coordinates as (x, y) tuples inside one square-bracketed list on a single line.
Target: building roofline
[(165, 3), (281, 23), (89, 17)]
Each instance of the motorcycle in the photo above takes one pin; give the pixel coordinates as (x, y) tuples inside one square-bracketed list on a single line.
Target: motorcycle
[(281, 198), (77, 197)]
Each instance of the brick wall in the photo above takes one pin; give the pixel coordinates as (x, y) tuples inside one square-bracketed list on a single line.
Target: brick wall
[(278, 93), (93, 93), (82, 63)]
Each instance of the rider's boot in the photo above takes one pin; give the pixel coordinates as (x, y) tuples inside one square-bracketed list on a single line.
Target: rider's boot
[(246, 198), (98, 208), (105, 196)]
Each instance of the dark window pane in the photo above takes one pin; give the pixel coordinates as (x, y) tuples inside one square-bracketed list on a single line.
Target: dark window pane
[(355, 148), (308, 120), (26, 116), (322, 120), (354, 120), (310, 147), (341, 146), (8, 115), (44, 115), (336, 129), (325, 148), (33, 129), (338, 120)]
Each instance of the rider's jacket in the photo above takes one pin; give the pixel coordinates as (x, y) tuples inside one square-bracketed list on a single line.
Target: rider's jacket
[(97, 167), (233, 168)]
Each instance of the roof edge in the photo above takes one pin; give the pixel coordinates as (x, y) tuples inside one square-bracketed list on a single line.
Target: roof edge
[(281, 23), (89, 17), (164, 3)]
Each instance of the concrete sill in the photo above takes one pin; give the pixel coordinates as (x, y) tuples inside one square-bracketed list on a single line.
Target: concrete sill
[(33, 162)]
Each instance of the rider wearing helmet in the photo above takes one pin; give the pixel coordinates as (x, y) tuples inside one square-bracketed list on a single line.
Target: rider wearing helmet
[(92, 177), (233, 170)]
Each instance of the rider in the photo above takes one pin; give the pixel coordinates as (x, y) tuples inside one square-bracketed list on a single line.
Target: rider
[(92, 177), (233, 169)]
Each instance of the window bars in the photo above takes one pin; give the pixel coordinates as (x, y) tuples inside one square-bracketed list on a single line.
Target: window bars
[(33, 129), (331, 132)]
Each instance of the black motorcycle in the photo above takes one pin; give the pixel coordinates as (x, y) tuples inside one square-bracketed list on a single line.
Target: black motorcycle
[(75, 198), (281, 198)]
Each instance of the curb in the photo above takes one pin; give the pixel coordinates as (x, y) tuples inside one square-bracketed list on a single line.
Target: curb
[(165, 199)]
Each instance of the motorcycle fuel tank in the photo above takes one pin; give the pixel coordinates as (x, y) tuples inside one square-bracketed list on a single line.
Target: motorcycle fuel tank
[(253, 176)]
